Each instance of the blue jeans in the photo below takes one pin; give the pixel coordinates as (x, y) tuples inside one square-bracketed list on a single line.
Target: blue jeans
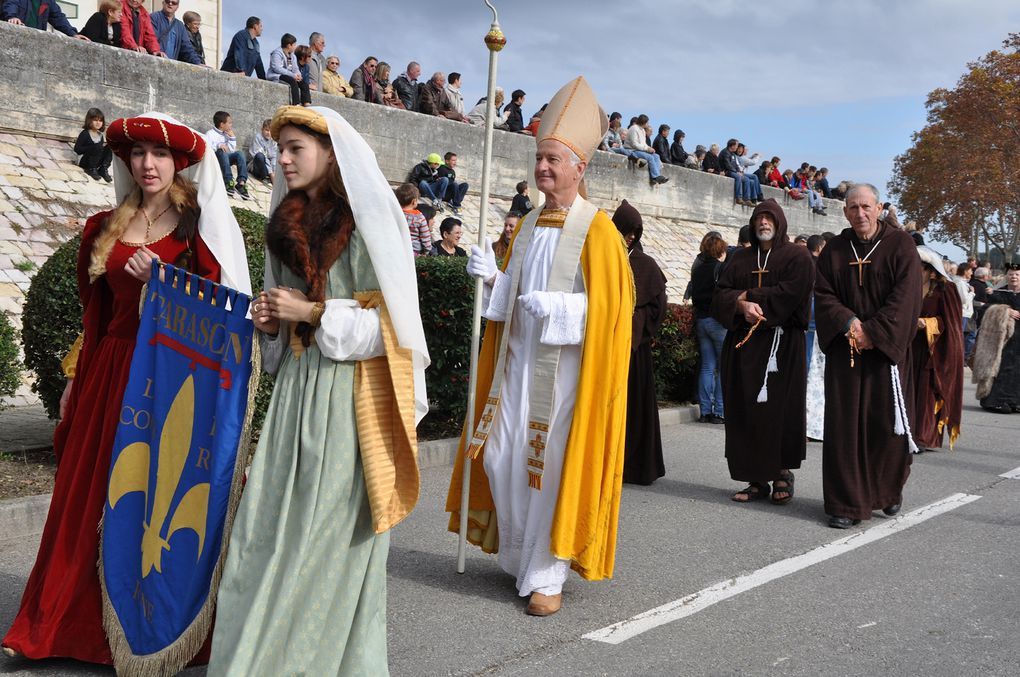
[(741, 186), (455, 193), (711, 335), (434, 190), (235, 159), (260, 168), (620, 150), (654, 163), (755, 186), (969, 339)]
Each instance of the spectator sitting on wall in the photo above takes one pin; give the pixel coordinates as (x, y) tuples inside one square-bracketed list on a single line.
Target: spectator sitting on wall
[(613, 139), (425, 175), (636, 142), (840, 191), (515, 116), (172, 35), (262, 154), (222, 140), (450, 231), (363, 81), (661, 144), (136, 32), (536, 119), (677, 154), (502, 245), (382, 75), (521, 203), (390, 98), (455, 190), (453, 93), (96, 156), (334, 83), (283, 67), (790, 180), (748, 167), (710, 163), (774, 177), (421, 235), (477, 114), (103, 27), (303, 54), (763, 171), (742, 190), (243, 55), (433, 99), (407, 86), (38, 15), (317, 60), (193, 22), (822, 182), (696, 159)]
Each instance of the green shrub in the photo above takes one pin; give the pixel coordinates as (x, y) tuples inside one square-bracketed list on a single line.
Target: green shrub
[(10, 364), (675, 355), (51, 320), (446, 300)]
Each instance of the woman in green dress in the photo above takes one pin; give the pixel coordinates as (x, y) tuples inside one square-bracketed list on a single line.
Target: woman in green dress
[(304, 585)]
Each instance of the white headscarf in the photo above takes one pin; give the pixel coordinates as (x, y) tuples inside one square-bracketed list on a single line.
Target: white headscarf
[(216, 224), (381, 224)]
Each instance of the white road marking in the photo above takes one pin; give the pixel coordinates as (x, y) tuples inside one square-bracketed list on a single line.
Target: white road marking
[(1013, 474), (692, 604), (867, 625)]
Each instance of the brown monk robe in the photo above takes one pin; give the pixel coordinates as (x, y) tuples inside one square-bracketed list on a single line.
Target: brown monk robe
[(868, 283), (642, 463), (766, 426), (937, 357)]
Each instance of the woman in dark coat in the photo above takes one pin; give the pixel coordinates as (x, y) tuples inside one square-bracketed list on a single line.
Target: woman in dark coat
[(643, 456)]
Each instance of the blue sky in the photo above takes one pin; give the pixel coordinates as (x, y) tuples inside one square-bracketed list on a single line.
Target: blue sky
[(836, 84)]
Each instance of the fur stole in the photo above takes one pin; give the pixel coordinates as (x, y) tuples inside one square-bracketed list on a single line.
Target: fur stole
[(309, 237), (996, 330)]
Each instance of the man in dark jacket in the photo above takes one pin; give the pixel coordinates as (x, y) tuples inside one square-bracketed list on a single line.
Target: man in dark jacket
[(407, 87), (243, 55), (661, 144), (515, 117), (455, 191), (677, 154), (17, 12), (425, 175), (742, 190), (434, 101)]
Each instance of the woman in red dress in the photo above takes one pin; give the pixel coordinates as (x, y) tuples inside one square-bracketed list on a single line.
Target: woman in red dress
[(160, 217)]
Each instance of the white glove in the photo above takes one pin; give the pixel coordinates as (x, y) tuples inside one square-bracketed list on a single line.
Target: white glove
[(537, 303), (482, 262)]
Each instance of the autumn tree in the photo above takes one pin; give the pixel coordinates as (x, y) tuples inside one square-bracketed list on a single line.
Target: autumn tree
[(962, 173)]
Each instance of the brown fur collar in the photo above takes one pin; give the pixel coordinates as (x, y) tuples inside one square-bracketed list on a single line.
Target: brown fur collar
[(309, 237)]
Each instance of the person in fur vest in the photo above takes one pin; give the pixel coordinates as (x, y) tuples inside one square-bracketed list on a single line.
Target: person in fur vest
[(997, 353)]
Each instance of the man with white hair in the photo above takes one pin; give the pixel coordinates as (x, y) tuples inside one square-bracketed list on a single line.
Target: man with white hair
[(317, 64), (867, 302), (552, 388)]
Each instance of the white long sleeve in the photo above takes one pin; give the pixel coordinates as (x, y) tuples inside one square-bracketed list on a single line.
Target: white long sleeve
[(496, 300), (348, 333), (565, 324)]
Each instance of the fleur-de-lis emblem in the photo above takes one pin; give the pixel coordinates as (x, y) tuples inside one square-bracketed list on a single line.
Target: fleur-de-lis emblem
[(131, 473)]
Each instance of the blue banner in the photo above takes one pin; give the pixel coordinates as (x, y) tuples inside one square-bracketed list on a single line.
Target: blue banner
[(175, 473)]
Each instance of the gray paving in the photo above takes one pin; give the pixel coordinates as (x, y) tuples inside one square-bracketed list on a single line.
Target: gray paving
[(25, 429), (939, 598)]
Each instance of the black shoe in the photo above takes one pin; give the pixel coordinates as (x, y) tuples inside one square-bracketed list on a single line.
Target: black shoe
[(716, 419), (242, 190), (704, 418), (837, 522), (660, 179), (94, 174), (893, 509), (106, 176)]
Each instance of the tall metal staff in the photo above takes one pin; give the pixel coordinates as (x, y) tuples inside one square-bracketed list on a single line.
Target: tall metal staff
[(495, 41)]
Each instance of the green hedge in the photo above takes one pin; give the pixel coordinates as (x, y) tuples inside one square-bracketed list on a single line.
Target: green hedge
[(675, 355), (10, 364)]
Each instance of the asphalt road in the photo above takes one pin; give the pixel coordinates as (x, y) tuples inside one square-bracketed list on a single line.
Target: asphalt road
[(938, 597)]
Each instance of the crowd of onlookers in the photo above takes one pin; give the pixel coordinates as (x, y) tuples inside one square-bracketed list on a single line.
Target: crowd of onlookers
[(307, 68)]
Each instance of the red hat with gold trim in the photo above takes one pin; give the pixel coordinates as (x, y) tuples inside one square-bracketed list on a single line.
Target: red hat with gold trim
[(185, 144)]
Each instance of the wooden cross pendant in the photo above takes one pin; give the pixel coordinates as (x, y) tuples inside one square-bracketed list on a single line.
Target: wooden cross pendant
[(759, 273), (860, 270)]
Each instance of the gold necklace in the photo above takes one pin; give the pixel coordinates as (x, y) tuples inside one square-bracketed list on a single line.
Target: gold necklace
[(150, 222)]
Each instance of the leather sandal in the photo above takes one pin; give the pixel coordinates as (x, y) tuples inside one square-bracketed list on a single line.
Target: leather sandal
[(544, 605), (752, 492), (786, 478)]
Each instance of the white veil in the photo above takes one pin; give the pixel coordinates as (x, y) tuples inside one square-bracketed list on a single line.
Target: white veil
[(381, 224), (216, 224)]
